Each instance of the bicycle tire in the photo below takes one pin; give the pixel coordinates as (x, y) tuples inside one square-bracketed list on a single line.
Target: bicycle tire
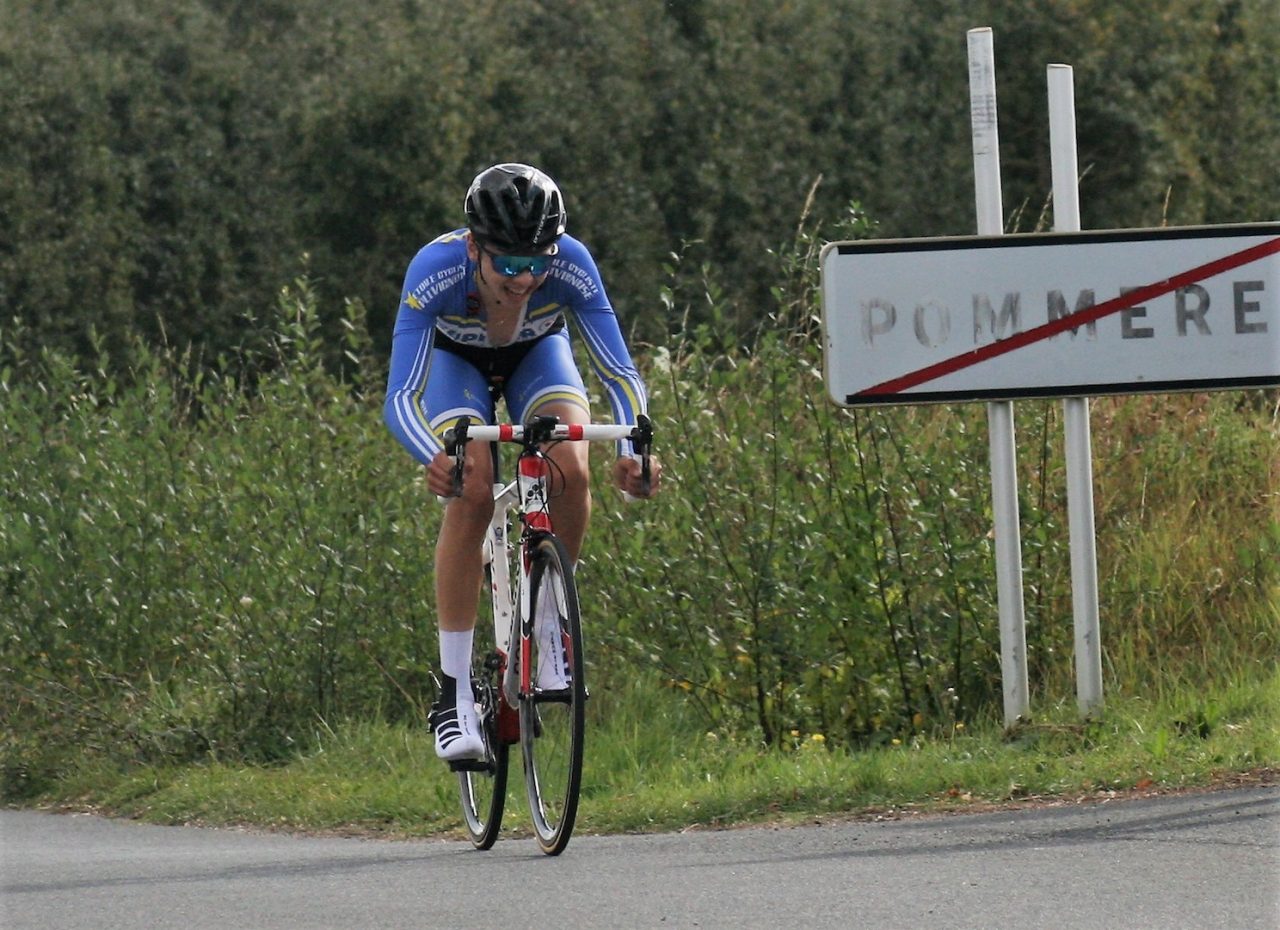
[(552, 723), (483, 790)]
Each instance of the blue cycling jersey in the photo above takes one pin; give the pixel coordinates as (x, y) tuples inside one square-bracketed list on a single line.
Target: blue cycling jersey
[(439, 296)]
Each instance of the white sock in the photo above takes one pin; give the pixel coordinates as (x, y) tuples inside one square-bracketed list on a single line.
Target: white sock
[(455, 659)]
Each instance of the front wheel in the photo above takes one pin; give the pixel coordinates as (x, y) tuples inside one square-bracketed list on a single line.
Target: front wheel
[(552, 716)]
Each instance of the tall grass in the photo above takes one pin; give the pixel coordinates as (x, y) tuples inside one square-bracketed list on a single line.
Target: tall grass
[(226, 566), (370, 777), (816, 570), (192, 568)]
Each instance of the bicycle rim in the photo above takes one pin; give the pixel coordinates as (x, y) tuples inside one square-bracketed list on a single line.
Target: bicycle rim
[(551, 724), (484, 790)]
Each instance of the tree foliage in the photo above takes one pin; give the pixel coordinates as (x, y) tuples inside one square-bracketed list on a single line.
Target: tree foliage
[(166, 166)]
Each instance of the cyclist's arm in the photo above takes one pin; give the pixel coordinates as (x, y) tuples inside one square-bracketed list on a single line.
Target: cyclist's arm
[(403, 408), (432, 283), (627, 397), (606, 347), (612, 364)]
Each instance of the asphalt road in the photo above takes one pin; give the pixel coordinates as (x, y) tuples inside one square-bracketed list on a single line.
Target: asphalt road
[(1207, 860)]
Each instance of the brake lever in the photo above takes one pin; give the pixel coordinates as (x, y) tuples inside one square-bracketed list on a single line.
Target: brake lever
[(455, 446), (642, 444)]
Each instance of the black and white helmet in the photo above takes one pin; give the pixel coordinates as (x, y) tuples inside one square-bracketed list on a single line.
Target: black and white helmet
[(516, 207)]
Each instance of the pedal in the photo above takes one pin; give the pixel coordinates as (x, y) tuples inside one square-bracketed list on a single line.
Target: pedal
[(470, 765)]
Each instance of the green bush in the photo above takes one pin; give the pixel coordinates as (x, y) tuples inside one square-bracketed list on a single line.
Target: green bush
[(193, 567), (190, 567)]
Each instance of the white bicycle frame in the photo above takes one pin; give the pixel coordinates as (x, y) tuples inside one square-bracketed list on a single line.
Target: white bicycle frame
[(527, 495)]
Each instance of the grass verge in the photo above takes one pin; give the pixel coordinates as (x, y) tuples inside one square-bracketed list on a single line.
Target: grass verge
[(650, 768)]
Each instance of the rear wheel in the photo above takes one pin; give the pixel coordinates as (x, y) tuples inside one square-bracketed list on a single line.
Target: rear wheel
[(483, 785), (552, 720)]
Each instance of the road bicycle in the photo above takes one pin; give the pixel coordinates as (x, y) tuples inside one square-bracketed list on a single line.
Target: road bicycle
[(528, 579)]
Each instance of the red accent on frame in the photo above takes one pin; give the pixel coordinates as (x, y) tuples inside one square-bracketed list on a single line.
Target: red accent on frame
[(508, 723), (539, 520), (526, 657), (533, 467)]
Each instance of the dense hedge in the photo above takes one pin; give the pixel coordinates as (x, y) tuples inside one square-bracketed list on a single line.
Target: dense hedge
[(165, 165), (209, 545), (193, 567)]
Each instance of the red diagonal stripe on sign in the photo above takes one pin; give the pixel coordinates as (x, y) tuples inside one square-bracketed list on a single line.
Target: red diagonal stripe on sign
[(1073, 320)]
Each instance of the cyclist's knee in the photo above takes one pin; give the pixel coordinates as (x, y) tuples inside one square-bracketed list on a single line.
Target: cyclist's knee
[(474, 507), (465, 522), (477, 498), (571, 474), (477, 485)]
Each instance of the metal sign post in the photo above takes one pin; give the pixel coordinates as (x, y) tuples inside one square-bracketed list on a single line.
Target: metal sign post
[(1066, 314), (1075, 411), (1000, 428)]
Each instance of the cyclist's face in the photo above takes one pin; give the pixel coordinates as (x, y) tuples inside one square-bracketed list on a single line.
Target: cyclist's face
[(497, 282)]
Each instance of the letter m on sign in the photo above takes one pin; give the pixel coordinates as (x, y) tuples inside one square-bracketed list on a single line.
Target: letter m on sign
[(985, 319), (1058, 310)]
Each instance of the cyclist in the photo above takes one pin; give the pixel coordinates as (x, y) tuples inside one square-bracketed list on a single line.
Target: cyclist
[(485, 306)]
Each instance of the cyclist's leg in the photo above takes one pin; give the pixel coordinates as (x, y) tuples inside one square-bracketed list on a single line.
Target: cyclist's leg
[(547, 382), (455, 389), (458, 561)]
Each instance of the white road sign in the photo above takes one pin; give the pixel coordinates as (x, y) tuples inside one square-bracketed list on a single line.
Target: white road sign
[(1051, 315)]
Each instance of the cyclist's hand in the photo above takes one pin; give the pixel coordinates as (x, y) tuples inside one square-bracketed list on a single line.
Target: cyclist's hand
[(626, 475), (440, 475)]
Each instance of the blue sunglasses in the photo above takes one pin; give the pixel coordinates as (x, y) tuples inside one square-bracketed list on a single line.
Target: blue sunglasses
[(510, 266)]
